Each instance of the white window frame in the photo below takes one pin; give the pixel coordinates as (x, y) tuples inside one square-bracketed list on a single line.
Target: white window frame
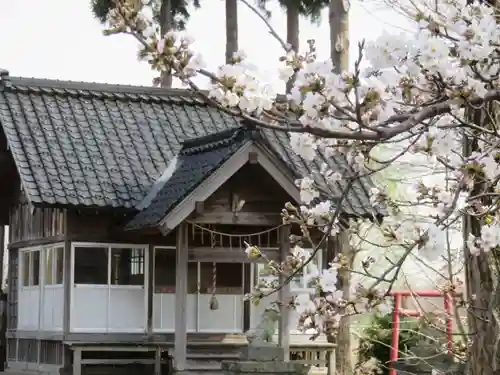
[(44, 255), (41, 271), (109, 247), (109, 287), (29, 252)]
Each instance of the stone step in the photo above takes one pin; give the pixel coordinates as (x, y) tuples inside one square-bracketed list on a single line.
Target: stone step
[(211, 350), (203, 365), (213, 356)]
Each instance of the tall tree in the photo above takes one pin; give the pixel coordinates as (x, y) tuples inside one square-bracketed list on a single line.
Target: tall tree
[(179, 9), (339, 34), (231, 29), (173, 14), (166, 20), (338, 18), (310, 9), (430, 89)]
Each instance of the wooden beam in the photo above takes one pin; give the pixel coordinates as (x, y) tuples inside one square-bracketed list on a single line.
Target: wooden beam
[(77, 361), (38, 242), (241, 218), (253, 157), (180, 340), (284, 294), (199, 207), (227, 255)]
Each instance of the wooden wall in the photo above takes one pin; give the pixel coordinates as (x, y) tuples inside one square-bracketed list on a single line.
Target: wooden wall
[(263, 200), (90, 225), (29, 224)]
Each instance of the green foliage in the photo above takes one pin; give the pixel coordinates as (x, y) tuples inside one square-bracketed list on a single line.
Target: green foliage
[(101, 8), (377, 338), (310, 9)]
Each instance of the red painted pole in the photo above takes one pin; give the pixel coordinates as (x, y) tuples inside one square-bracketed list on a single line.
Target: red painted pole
[(396, 319), (395, 333), (449, 322)]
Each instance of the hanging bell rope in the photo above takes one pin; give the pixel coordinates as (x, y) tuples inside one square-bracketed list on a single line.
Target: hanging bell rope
[(214, 303)]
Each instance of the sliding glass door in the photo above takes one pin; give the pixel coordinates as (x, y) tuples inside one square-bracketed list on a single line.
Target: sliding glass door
[(209, 284)]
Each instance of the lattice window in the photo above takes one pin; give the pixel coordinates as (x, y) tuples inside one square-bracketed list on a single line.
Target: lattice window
[(51, 352), (13, 287), (137, 262)]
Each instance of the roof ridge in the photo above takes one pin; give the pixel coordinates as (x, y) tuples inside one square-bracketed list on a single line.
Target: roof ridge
[(23, 83), (211, 141)]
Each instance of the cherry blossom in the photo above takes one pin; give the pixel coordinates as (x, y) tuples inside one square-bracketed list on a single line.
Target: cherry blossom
[(409, 100)]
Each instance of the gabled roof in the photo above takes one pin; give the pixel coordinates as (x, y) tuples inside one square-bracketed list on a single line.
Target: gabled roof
[(196, 161), (202, 166), (98, 145)]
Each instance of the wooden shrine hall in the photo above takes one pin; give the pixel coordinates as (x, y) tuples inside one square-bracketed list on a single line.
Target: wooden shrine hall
[(128, 209)]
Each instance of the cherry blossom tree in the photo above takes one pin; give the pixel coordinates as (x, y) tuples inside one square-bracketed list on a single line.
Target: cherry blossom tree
[(429, 96)]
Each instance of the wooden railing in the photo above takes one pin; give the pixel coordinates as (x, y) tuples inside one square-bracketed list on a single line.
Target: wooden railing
[(319, 354)]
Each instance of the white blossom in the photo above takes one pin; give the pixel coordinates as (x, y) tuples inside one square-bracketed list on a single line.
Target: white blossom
[(405, 109)]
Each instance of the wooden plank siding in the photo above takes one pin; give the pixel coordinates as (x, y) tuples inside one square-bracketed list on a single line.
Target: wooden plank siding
[(91, 225), (250, 197), (29, 224)]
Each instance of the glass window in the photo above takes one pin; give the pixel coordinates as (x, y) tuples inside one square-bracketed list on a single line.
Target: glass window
[(164, 271), (54, 265), (91, 265), (31, 268), (165, 276), (59, 264), (302, 279), (192, 278), (127, 266), (25, 256), (228, 278), (49, 266), (265, 277), (35, 267)]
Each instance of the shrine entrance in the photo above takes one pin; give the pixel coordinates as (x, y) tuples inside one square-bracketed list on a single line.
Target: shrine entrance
[(219, 280)]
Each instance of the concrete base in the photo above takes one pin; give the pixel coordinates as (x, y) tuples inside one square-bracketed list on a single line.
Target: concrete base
[(263, 359), (264, 368), (444, 365), (263, 353)]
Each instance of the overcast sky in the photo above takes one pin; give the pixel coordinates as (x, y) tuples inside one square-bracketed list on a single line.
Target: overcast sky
[(59, 39)]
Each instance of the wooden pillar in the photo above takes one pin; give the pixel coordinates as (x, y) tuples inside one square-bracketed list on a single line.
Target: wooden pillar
[(2, 253), (150, 289), (181, 270), (66, 279), (77, 361), (343, 354), (284, 294)]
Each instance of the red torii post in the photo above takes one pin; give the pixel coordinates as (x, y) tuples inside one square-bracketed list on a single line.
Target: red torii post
[(396, 320)]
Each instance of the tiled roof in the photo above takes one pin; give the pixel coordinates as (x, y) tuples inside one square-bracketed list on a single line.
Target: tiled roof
[(99, 145), (196, 161)]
